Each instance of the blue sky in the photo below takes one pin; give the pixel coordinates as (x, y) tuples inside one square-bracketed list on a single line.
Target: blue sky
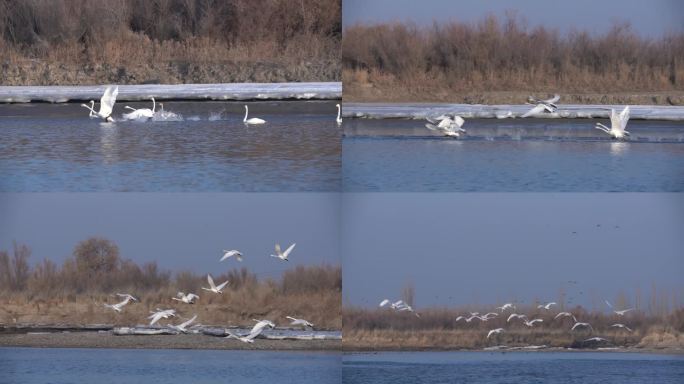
[(648, 18), (179, 231), (484, 248)]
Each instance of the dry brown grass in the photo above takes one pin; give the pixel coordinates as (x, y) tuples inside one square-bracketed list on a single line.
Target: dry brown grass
[(75, 292), (169, 41), (437, 329), (400, 61)]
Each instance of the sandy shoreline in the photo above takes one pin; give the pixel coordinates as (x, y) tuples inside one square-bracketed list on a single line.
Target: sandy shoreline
[(186, 341)]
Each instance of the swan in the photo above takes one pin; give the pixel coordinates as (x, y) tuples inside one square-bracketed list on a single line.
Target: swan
[(595, 339), (530, 323), (447, 125), (384, 302), (182, 328), (618, 123), (283, 255), (618, 325), (142, 113), (494, 332), (408, 308), (106, 104), (490, 315), (339, 117), (546, 306), (258, 328), (161, 314), (622, 312), (253, 120), (565, 314), (581, 325), (213, 287), (166, 115), (188, 298), (119, 306), (548, 102), (506, 306), (516, 316), (301, 322), (92, 114), (227, 254)]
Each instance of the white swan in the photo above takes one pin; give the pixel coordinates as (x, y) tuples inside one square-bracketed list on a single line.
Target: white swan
[(595, 340), (161, 314), (166, 115), (231, 253), (187, 298), (339, 117), (182, 328), (581, 325), (618, 123), (506, 306), (213, 287), (566, 314), (92, 113), (618, 325), (384, 302), (283, 255), (530, 323), (301, 322), (548, 102), (546, 306), (119, 306), (256, 331), (106, 104), (142, 113), (446, 125), (253, 120), (494, 332), (622, 312), (516, 316)]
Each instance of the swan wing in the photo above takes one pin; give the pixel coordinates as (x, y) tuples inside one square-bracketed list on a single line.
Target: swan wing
[(107, 101), (185, 324), (289, 249), (384, 302), (220, 287), (535, 110), (624, 118), (552, 100), (211, 282)]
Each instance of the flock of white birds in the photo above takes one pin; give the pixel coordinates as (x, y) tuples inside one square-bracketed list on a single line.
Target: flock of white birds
[(452, 125), (401, 306), (108, 100), (192, 298)]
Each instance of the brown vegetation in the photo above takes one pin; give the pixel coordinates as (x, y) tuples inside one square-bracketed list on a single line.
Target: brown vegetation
[(384, 329), (60, 42), (74, 293), (462, 62)]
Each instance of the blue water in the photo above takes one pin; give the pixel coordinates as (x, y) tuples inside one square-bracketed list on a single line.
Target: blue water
[(104, 366), (511, 367), (410, 164), (57, 148)]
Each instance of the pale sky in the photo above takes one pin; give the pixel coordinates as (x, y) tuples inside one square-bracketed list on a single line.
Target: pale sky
[(649, 18)]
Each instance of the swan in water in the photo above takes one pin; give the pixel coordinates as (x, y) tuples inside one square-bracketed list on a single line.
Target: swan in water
[(618, 123), (506, 306), (119, 306), (142, 113), (161, 314), (213, 287), (566, 314), (227, 254), (546, 306), (446, 125), (166, 115), (253, 120), (618, 325), (106, 104), (339, 117), (283, 255), (188, 298), (494, 332), (182, 328), (301, 322)]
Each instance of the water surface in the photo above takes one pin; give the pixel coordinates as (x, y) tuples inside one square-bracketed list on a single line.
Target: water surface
[(103, 366), (57, 148), (511, 367)]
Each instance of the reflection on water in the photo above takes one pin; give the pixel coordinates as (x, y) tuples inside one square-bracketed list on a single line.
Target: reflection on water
[(434, 164), (511, 367), (102, 366), (58, 148)]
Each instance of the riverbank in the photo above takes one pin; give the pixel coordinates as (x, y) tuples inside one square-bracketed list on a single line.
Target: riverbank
[(105, 339)]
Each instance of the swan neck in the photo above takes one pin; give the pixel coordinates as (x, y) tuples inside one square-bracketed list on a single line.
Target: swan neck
[(246, 112)]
